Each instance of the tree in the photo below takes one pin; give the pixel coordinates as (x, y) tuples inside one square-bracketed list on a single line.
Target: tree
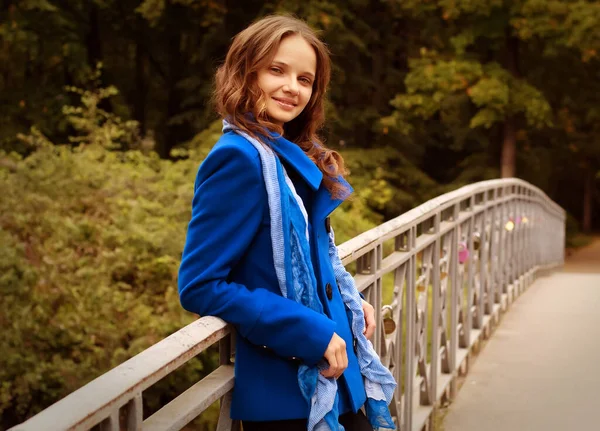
[(472, 67), (570, 31)]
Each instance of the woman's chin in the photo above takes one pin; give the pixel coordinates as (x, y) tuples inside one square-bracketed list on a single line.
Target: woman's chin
[(281, 118)]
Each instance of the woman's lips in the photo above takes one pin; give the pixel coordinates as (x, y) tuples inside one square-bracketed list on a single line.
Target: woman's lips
[(284, 104)]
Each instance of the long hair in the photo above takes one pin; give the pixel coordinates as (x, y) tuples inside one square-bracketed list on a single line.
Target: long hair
[(237, 92)]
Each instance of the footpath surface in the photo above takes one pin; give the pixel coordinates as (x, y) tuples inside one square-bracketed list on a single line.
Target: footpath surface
[(540, 370)]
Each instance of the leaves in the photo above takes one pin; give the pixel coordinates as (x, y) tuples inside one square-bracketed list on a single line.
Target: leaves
[(92, 241), (91, 247), (93, 220)]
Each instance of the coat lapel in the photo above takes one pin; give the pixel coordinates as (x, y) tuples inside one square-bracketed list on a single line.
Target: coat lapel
[(324, 204), (294, 156), (297, 159)]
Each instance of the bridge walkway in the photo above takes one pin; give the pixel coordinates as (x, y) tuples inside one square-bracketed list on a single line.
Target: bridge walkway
[(541, 368)]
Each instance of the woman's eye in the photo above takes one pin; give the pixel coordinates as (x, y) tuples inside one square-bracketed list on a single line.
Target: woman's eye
[(276, 70), (305, 80)]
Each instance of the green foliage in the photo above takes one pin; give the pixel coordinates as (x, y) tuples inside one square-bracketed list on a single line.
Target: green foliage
[(570, 24), (93, 243), (491, 90), (94, 125), (205, 140), (485, 76), (92, 221), (91, 246), (386, 192), (92, 240)]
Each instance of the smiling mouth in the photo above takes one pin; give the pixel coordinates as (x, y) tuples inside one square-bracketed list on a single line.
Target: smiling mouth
[(285, 102)]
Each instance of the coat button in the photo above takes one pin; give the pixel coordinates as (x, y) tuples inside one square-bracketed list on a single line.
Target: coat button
[(329, 291), (328, 225)]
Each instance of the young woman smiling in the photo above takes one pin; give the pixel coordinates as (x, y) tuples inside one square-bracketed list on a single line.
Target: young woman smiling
[(260, 251)]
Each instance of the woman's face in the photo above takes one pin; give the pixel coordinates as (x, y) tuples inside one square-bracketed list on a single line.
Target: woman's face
[(287, 81)]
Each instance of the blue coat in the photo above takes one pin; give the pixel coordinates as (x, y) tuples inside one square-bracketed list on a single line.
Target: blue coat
[(227, 270)]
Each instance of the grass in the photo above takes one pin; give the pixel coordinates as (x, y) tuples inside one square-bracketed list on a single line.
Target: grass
[(579, 240)]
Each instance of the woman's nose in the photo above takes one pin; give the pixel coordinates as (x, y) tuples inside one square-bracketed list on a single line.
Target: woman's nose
[(291, 87)]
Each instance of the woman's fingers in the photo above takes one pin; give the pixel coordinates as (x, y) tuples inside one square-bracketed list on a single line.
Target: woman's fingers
[(336, 357), (343, 362), (336, 354), (331, 371), (370, 324)]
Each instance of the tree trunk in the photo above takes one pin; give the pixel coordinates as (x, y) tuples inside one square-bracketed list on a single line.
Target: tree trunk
[(174, 133), (509, 148), (380, 97), (92, 40), (140, 97), (8, 11), (588, 188), (509, 141)]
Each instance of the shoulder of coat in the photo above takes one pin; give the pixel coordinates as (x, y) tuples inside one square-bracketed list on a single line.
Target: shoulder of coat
[(231, 141)]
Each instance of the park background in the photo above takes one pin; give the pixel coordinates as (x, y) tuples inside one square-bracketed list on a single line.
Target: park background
[(105, 120)]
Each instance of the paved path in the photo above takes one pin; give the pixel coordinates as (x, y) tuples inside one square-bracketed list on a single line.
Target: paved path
[(540, 371)]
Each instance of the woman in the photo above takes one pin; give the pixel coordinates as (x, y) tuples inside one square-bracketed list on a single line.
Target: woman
[(259, 251)]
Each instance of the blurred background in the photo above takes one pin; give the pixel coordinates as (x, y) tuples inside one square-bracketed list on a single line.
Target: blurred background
[(105, 119)]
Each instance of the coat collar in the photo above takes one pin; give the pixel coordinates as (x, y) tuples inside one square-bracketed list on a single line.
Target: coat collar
[(293, 155), (324, 204)]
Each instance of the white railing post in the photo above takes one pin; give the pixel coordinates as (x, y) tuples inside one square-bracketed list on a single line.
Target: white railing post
[(455, 295)]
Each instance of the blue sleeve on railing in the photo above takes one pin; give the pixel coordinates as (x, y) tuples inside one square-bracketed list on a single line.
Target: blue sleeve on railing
[(227, 210)]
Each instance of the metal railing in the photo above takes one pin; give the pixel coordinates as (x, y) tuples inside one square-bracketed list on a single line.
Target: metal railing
[(456, 262)]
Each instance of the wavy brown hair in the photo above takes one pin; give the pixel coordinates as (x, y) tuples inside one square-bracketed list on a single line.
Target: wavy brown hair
[(237, 92)]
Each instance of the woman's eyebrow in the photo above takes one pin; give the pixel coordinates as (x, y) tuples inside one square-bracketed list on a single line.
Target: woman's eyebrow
[(281, 63)]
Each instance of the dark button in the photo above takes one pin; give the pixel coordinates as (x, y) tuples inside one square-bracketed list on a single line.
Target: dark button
[(328, 291), (295, 360), (328, 225), (355, 345)]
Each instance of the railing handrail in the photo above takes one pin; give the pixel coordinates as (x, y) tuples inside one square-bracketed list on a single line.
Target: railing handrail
[(94, 401), (348, 249), (100, 400)]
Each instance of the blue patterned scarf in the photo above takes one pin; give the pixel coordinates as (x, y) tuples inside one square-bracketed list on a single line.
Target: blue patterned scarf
[(295, 274)]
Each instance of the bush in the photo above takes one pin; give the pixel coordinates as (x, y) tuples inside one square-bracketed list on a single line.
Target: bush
[(91, 244)]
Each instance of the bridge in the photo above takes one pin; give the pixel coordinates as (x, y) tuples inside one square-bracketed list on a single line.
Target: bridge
[(539, 371), (456, 265)]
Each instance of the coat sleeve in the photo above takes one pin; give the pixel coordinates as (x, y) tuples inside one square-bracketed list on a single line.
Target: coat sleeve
[(227, 210)]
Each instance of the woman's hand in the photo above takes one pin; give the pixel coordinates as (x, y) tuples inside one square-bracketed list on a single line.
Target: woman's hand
[(370, 323), (336, 356)]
